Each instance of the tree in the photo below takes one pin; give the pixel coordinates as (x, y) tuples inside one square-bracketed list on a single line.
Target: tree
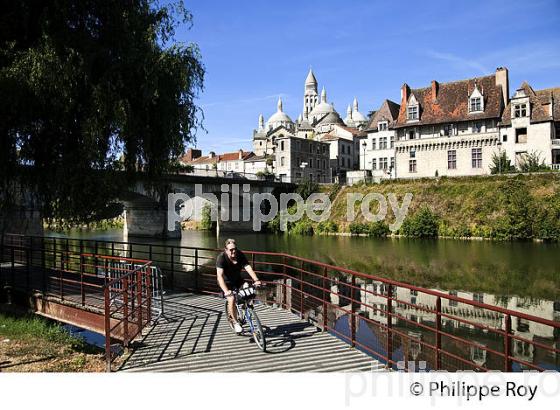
[(501, 164), (82, 82)]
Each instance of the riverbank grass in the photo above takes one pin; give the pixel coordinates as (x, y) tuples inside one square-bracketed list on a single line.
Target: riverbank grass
[(30, 343)]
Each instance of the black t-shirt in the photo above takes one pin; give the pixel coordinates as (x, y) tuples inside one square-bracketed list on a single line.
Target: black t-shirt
[(232, 271)]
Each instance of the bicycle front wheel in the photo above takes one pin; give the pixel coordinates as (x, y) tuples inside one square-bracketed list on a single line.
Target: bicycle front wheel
[(256, 329)]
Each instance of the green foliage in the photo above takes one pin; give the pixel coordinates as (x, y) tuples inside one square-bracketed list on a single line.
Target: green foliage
[(206, 218), (376, 229), (325, 227), (516, 205), (306, 188), (501, 164), (302, 227), (84, 82), (423, 224), (532, 162), (31, 327)]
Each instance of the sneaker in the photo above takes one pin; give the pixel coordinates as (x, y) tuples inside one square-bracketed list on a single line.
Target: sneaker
[(237, 327)]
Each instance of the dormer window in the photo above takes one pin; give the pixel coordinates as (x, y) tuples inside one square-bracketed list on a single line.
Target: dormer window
[(382, 126), (476, 101), (476, 104), (412, 111), (520, 110)]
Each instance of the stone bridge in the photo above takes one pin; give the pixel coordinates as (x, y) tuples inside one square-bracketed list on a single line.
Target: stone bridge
[(231, 199)]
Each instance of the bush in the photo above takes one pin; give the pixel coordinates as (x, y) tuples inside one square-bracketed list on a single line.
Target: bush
[(306, 188), (517, 205), (206, 218), (424, 224), (501, 164), (302, 227), (377, 229), (325, 227), (357, 228)]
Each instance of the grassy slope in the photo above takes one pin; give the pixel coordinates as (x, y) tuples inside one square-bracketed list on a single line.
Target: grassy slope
[(472, 203)]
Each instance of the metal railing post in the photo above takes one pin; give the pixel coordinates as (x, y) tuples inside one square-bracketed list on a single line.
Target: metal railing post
[(301, 290), (284, 301), (82, 292), (438, 334), (148, 278), (125, 310), (196, 278), (139, 299), (107, 329), (389, 326), (353, 313), (172, 265), (507, 344), (60, 284), (325, 304)]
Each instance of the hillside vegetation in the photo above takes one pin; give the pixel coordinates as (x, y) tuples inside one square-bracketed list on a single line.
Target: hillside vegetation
[(498, 207)]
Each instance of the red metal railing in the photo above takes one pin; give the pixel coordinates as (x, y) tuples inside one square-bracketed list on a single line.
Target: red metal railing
[(116, 289), (390, 320)]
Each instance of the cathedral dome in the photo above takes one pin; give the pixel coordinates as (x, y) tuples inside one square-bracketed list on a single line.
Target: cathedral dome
[(279, 118), (321, 109)]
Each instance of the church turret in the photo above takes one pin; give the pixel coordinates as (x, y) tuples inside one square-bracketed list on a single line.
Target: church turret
[(261, 122), (310, 96)]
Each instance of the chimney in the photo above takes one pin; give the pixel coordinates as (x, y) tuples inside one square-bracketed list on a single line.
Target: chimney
[(502, 79), (404, 94), (240, 154), (211, 154), (435, 87), (192, 154)]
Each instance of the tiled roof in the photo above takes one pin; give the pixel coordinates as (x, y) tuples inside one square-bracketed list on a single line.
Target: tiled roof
[(451, 102), (389, 111), (228, 156), (540, 101)]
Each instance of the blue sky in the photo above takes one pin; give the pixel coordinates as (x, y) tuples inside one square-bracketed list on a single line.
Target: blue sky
[(255, 51)]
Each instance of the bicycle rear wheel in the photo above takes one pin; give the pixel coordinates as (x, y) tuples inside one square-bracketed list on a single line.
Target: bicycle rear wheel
[(256, 329)]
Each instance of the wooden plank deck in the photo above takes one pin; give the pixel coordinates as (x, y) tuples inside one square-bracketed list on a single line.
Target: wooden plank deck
[(194, 336)]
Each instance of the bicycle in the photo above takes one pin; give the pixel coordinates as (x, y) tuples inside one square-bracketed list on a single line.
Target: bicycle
[(246, 314)]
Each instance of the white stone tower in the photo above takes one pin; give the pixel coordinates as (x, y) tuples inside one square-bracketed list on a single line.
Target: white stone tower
[(310, 96)]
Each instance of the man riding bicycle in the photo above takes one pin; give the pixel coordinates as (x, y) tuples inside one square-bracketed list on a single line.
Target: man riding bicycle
[(228, 269)]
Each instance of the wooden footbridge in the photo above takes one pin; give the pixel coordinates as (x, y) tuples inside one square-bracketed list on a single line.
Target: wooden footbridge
[(162, 303)]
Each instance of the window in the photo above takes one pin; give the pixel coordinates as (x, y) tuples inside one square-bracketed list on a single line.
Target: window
[(476, 104), (382, 126), (504, 138), (412, 153), (311, 148), (383, 163), (452, 159), (383, 143), (521, 135), (348, 162), (392, 162), (373, 142), (310, 162), (412, 112), (281, 145), (412, 166), (411, 135), (281, 161), (392, 141), (519, 110), (477, 127), (478, 297), (477, 157), (373, 164), (452, 302)]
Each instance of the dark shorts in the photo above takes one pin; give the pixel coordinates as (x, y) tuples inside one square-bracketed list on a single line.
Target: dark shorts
[(235, 283)]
